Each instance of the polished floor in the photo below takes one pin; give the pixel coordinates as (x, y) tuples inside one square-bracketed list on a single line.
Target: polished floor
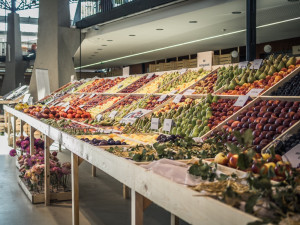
[(101, 200)]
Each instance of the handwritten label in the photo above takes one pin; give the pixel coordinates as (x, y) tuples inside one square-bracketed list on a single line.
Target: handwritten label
[(99, 117), (66, 109), (177, 98), (92, 95), (81, 96), (163, 97), (293, 156), (154, 123), (254, 92), (150, 75), (167, 125), (113, 114), (243, 64), (173, 92), (189, 92), (241, 101), (256, 64), (26, 98)]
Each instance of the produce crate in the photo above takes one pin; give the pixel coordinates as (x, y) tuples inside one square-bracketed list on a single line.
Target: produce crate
[(193, 63)]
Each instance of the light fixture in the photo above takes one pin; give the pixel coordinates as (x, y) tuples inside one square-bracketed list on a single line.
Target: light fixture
[(185, 43), (99, 49), (95, 52), (103, 45), (236, 12), (234, 54), (293, 0), (109, 40), (267, 48), (193, 21), (132, 35), (159, 29)]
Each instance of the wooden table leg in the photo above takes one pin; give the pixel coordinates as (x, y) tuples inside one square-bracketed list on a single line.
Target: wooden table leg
[(174, 220), (8, 128), (21, 127), (59, 147), (14, 131), (32, 130), (93, 171), (75, 190), (126, 192), (47, 170), (137, 208)]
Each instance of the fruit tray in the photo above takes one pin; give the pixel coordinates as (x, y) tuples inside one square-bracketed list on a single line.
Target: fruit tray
[(275, 119), (141, 138), (101, 85), (138, 84), (125, 83), (86, 83)]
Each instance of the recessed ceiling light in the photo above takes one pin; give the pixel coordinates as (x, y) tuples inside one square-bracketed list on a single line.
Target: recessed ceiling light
[(236, 12), (159, 29), (131, 35), (103, 45), (193, 21), (99, 49), (109, 40), (93, 55), (293, 0), (95, 52)]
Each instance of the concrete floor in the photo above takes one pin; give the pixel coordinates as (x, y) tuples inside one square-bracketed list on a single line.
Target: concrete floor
[(101, 200)]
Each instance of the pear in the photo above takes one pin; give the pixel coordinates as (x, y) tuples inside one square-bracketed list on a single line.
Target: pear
[(280, 66), (272, 70), (243, 80), (267, 68), (291, 61), (195, 132), (285, 58), (262, 76), (251, 78), (215, 98), (279, 57), (257, 74)]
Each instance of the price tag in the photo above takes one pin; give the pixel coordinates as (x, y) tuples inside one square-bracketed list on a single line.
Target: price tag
[(189, 92), (177, 98), (254, 92), (92, 95), (173, 92), (182, 71), (121, 85), (241, 101), (73, 89), (81, 106), (293, 156), (198, 139), (113, 114), (47, 103), (66, 109), (154, 123), (81, 96), (243, 64), (26, 98), (66, 104), (150, 76), (99, 117), (256, 64), (162, 97), (167, 125)]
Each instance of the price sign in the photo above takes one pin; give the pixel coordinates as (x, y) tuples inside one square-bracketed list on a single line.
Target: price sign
[(81, 96), (177, 98), (189, 92), (243, 64), (173, 92), (66, 109), (92, 95), (26, 98), (99, 117), (65, 104), (254, 92), (293, 156), (47, 103), (241, 101), (167, 125), (113, 114), (163, 97), (73, 89), (81, 106), (198, 139), (150, 76), (182, 71), (256, 64), (154, 123), (121, 85)]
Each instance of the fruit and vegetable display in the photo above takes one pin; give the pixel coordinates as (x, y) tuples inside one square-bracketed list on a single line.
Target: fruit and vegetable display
[(183, 82), (156, 84), (240, 82), (290, 88), (106, 139), (103, 141), (287, 142), (151, 102), (138, 84), (206, 85), (101, 85), (123, 84)]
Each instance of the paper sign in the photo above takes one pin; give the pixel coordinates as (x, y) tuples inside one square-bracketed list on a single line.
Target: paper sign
[(47, 103), (254, 92), (92, 95), (121, 85), (167, 125), (66, 109), (26, 98), (189, 92), (113, 114), (99, 117), (182, 71), (81, 96), (173, 92), (256, 64), (81, 106), (243, 64), (241, 101), (293, 156), (66, 104), (198, 139), (150, 76), (137, 113), (177, 98), (154, 123), (163, 97), (73, 89)]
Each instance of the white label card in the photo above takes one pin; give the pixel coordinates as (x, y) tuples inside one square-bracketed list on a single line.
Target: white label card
[(163, 97), (81, 96), (113, 114), (189, 92), (92, 95), (121, 85), (243, 64), (73, 89), (182, 71), (66, 109), (99, 117), (81, 106), (173, 92), (254, 92), (47, 103), (150, 76), (198, 139), (177, 98), (293, 156), (154, 123), (256, 64), (26, 98), (167, 125), (241, 101)]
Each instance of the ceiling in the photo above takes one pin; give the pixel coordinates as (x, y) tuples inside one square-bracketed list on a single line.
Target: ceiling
[(214, 18)]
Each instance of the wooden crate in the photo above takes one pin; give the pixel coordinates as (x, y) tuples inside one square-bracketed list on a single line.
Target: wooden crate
[(193, 63), (179, 65), (36, 198)]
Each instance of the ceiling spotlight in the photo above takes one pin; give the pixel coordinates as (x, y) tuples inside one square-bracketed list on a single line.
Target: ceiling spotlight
[(159, 29), (236, 12), (103, 45), (109, 40), (95, 52), (92, 55), (224, 29), (293, 0), (132, 35), (193, 21), (99, 49)]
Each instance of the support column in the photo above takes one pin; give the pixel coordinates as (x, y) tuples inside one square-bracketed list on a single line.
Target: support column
[(14, 132), (31, 136), (47, 170), (174, 220), (251, 30), (21, 127), (75, 190), (8, 129)]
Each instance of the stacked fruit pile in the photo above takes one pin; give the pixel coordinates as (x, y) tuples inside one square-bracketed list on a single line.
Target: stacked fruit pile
[(290, 88), (289, 142), (138, 84), (271, 72), (123, 84), (103, 142), (158, 83), (101, 85), (206, 85), (151, 102)]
